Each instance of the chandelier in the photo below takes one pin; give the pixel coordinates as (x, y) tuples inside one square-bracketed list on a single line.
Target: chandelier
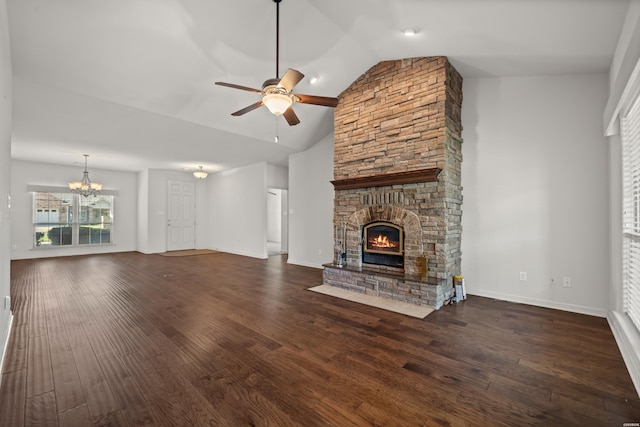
[(85, 187), (200, 174)]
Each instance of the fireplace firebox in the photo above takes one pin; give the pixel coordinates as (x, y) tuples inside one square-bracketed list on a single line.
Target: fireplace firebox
[(383, 244)]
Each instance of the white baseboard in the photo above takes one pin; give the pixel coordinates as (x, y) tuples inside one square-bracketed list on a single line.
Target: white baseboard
[(247, 254), (304, 263), (628, 340), (541, 303)]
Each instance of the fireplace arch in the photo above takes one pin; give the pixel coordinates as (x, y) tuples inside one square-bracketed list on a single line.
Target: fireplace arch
[(407, 221)]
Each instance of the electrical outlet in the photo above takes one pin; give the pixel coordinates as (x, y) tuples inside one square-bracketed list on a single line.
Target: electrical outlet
[(566, 282), (523, 276), (319, 251), (7, 303)]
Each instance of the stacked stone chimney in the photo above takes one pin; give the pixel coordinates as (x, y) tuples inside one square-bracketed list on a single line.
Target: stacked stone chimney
[(397, 158)]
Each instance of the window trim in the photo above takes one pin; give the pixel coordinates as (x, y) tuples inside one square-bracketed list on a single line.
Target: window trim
[(76, 222), (31, 188)]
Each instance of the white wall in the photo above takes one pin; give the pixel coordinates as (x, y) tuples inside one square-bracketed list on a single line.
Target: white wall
[(277, 177), (142, 238), (311, 205), (237, 221), (32, 173), (5, 175), (536, 191), (202, 213)]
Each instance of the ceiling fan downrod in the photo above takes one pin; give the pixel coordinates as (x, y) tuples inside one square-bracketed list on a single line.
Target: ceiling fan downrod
[(277, 2)]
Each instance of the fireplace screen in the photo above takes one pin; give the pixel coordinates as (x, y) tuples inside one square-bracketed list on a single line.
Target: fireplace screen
[(383, 244), (383, 238)]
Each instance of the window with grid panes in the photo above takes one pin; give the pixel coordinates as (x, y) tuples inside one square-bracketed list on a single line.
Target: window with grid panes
[(66, 219)]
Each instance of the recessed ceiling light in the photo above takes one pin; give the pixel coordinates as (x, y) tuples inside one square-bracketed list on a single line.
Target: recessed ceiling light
[(314, 79), (410, 31)]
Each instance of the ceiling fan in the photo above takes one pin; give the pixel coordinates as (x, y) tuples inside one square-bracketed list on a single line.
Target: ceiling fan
[(277, 94)]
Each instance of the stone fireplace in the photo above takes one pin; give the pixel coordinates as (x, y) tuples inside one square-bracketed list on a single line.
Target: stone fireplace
[(397, 160)]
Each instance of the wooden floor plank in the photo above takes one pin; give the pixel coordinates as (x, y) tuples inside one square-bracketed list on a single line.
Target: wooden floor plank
[(39, 374), (13, 395), (124, 387), (68, 389), (173, 394), (16, 355), (40, 410), (133, 339), (76, 417), (97, 394)]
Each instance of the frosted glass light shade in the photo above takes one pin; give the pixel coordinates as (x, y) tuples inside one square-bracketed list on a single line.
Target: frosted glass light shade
[(277, 103), (200, 174)]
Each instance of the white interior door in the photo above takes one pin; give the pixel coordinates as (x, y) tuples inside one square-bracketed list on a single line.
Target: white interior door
[(181, 219)]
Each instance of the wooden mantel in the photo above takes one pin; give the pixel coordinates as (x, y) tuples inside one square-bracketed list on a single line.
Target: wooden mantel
[(398, 178)]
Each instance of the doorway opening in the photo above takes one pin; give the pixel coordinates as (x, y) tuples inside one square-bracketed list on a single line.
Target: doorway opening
[(277, 221)]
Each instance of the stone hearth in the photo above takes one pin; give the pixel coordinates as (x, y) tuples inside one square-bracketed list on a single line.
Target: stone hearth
[(397, 158)]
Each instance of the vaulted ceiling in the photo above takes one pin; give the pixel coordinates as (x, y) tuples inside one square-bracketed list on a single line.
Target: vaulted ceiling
[(130, 82)]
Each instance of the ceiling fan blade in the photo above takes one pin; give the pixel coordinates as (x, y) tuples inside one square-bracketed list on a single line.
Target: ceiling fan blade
[(291, 117), (317, 100), (231, 85), (290, 79), (247, 109)]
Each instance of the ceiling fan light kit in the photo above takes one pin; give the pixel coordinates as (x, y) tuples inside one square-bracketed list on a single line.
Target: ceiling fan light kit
[(277, 94), (277, 103)]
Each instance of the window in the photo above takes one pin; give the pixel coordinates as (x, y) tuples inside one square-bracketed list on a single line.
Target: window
[(630, 127), (95, 219), (65, 219)]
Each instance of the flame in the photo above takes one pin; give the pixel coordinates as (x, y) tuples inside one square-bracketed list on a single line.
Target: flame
[(382, 242)]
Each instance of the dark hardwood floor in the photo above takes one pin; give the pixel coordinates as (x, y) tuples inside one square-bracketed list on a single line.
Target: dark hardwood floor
[(131, 339)]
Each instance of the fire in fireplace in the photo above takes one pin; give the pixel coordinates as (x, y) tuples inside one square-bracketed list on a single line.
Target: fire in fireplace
[(383, 244)]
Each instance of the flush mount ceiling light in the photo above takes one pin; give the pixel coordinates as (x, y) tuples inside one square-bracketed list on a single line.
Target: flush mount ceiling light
[(410, 31), (85, 187), (200, 174)]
